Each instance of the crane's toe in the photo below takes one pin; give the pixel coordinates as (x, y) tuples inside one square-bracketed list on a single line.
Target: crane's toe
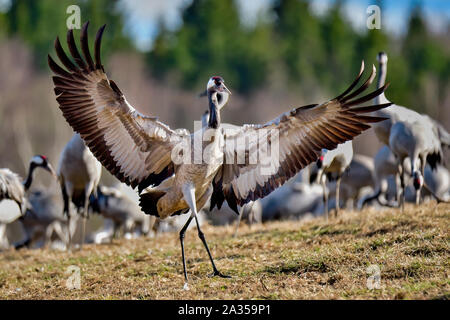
[(217, 273)]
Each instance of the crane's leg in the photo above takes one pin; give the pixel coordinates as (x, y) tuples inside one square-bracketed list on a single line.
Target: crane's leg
[(189, 196), (325, 195), (241, 213), (417, 197), (338, 188), (249, 208), (423, 162), (251, 214), (48, 235), (402, 187), (59, 231), (116, 227), (2, 234), (155, 226), (67, 191), (87, 192), (28, 229), (182, 233), (83, 231), (398, 188), (4, 243)]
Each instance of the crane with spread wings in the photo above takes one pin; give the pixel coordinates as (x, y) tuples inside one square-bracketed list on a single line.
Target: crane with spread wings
[(234, 165)]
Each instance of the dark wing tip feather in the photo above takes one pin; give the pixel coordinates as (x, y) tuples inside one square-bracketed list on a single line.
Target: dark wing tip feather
[(63, 57), (85, 46), (74, 51), (354, 83), (56, 68), (367, 97), (98, 41), (115, 87), (363, 87)]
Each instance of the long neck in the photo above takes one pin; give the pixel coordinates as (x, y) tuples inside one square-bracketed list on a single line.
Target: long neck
[(381, 81), (214, 112), (29, 180), (223, 99)]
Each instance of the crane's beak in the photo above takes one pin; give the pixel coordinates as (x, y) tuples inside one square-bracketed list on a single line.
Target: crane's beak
[(223, 88), (50, 169)]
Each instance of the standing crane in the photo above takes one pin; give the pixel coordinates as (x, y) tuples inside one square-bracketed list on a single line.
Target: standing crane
[(386, 165), (12, 187), (357, 181), (185, 170), (395, 113), (417, 142), (79, 174), (333, 162)]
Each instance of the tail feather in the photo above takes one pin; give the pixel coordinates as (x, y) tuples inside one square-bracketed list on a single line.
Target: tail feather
[(433, 159), (148, 202)]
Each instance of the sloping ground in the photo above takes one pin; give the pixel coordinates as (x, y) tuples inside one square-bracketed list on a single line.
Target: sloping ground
[(279, 260)]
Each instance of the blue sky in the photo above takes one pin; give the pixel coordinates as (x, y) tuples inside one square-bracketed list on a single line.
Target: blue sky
[(143, 15)]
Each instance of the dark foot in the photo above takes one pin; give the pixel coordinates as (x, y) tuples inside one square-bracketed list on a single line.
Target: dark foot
[(23, 244), (217, 273)]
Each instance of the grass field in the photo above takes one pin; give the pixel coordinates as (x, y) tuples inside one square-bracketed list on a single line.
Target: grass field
[(278, 260)]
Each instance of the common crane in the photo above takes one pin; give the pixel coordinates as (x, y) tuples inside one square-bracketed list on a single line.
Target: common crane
[(396, 113), (79, 174), (142, 151), (45, 216), (333, 163), (14, 188), (112, 204), (417, 142), (357, 181)]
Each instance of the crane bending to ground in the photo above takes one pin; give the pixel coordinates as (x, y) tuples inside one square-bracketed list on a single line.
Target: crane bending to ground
[(12, 187), (143, 152)]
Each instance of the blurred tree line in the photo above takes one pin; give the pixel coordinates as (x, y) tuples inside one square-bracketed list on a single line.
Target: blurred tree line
[(309, 51), (39, 22), (291, 44)]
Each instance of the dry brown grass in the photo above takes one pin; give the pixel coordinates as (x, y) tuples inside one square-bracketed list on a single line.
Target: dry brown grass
[(278, 260)]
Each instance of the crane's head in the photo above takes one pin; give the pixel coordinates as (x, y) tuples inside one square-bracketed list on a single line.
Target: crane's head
[(382, 57), (42, 161), (417, 180), (319, 162), (217, 84)]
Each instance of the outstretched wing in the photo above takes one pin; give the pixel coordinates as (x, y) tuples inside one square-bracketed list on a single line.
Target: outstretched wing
[(300, 136), (133, 147)]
